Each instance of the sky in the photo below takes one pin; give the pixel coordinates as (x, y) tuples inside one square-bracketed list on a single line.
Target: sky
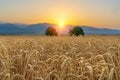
[(97, 13)]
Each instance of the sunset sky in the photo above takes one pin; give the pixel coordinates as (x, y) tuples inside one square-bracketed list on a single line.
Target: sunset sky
[(98, 13)]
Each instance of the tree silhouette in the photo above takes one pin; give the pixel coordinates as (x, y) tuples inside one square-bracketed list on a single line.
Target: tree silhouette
[(51, 31), (76, 31)]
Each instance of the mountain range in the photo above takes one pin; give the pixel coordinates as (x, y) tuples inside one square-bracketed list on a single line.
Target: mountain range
[(39, 29)]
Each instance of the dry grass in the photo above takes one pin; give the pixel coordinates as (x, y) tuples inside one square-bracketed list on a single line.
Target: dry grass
[(59, 58)]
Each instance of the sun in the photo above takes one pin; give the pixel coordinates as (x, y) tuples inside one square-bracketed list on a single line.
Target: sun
[(60, 20), (61, 24)]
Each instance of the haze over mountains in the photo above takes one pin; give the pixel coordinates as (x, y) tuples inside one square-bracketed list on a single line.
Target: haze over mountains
[(39, 29)]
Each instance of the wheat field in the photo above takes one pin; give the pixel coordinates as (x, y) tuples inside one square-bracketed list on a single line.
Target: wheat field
[(59, 58)]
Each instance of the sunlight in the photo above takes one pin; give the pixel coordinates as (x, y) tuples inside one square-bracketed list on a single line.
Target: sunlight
[(60, 18), (61, 24)]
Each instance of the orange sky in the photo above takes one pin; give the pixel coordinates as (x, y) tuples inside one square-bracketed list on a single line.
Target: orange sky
[(98, 13)]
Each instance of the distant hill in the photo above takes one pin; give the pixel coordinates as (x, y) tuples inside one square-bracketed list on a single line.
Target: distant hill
[(16, 29), (93, 30)]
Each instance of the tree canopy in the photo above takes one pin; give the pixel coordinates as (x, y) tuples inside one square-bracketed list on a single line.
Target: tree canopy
[(51, 31), (76, 31)]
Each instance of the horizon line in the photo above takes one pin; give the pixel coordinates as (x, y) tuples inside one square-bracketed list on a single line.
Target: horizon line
[(56, 24)]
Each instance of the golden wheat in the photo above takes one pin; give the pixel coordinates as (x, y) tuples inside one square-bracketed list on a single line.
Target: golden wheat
[(59, 58)]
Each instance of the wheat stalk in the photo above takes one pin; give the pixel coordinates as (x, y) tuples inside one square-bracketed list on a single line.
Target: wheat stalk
[(59, 58)]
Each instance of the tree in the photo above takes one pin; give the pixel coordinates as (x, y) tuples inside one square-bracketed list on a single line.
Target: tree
[(76, 31), (51, 31)]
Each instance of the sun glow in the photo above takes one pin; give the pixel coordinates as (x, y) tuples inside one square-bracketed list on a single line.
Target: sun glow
[(61, 24)]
